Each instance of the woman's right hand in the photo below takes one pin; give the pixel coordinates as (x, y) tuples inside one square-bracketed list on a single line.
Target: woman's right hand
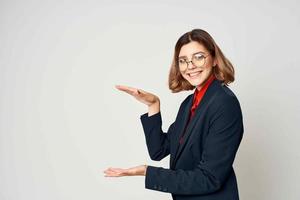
[(141, 95)]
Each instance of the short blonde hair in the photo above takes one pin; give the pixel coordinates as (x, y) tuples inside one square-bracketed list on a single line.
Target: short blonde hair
[(223, 70)]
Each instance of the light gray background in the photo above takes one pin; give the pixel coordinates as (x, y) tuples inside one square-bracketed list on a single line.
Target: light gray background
[(62, 122)]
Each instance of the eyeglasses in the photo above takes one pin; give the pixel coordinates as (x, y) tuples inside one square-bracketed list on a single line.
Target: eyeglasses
[(198, 60)]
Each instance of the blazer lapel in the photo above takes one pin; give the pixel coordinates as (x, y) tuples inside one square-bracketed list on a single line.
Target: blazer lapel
[(184, 119), (207, 98)]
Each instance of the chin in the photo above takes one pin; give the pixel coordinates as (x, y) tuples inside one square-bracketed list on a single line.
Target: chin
[(195, 82)]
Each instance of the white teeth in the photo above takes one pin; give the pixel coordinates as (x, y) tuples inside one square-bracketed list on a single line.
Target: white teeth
[(194, 74)]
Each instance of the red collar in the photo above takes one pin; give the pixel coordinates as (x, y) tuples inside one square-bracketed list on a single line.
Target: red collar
[(199, 94)]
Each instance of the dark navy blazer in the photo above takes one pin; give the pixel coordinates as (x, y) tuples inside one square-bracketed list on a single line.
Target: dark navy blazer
[(201, 167)]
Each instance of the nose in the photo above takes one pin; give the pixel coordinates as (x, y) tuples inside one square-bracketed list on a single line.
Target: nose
[(188, 65)]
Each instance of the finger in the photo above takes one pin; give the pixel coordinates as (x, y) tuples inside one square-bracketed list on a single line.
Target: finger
[(114, 170), (141, 91), (125, 88), (134, 93), (113, 174), (107, 171), (131, 92)]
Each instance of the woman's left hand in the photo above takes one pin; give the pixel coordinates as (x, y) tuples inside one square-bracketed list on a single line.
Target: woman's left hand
[(133, 171)]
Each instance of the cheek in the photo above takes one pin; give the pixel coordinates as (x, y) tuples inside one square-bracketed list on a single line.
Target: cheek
[(208, 67), (183, 75)]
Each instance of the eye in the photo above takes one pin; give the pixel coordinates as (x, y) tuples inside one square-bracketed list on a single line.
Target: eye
[(181, 61), (198, 56)]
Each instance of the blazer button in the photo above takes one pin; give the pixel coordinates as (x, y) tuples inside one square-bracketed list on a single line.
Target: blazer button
[(155, 187), (165, 189)]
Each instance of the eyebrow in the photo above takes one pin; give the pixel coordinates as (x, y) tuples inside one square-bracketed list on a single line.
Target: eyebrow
[(192, 54)]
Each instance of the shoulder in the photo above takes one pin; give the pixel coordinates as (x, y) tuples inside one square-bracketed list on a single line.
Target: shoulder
[(186, 100), (226, 99)]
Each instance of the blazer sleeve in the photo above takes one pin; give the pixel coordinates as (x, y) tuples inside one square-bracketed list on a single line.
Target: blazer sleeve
[(158, 142), (224, 136)]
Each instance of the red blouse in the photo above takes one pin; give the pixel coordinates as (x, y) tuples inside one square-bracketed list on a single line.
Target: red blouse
[(198, 95)]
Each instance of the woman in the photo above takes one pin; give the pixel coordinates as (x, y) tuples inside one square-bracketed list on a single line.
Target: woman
[(204, 138)]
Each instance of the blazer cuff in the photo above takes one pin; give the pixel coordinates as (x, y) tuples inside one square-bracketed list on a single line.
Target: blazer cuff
[(150, 180), (149, 121)]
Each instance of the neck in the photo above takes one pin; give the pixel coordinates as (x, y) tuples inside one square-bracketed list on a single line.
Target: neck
[(199, 87)]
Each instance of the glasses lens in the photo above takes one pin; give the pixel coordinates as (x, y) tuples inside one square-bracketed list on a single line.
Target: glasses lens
[(182, 63), (198, 60)]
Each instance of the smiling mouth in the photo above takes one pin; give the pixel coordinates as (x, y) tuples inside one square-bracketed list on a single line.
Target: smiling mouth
[(194, 74)]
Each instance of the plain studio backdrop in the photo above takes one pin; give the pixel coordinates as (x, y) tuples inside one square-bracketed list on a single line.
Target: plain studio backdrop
[(62, 121)]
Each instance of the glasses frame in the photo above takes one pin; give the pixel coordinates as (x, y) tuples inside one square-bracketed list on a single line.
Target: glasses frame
[(191, 61)]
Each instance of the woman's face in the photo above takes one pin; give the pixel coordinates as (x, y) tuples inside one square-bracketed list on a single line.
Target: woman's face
[(196, 76)]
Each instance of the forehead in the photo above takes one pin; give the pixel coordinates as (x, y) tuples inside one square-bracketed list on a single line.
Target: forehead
[(190, 48)]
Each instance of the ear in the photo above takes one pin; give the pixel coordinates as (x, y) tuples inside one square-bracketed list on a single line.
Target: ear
[(215, 62)]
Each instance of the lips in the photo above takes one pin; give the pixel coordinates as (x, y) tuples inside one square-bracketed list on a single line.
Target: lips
[(194, 74)]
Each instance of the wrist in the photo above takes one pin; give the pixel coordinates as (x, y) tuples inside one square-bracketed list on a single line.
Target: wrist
[(145, 170), (154, 108)]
